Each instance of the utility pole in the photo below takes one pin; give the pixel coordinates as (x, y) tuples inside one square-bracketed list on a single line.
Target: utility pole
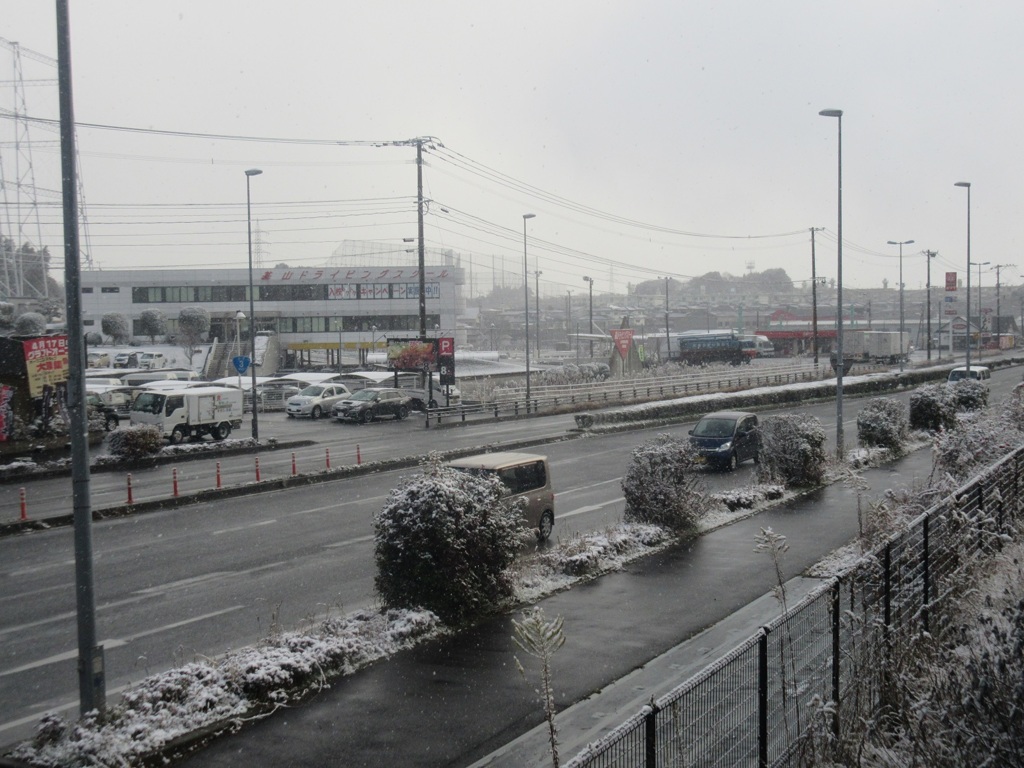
[(997, 327), (929, 255), (536, 299), (814, 299)]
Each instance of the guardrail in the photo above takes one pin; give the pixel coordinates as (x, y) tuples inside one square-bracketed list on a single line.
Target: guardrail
[(512, 402), (756, 705)]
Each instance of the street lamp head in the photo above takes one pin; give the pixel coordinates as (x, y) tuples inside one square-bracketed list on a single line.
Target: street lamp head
[(963, 184), (899, 242), (831, 113), (529, 215), (253, 172), (239, 315)]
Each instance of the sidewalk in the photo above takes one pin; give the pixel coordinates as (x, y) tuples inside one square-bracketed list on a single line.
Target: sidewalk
[(460, 701)]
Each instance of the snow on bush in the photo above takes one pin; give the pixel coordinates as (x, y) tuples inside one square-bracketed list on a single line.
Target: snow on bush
[(662, 487), (792, 450), (1013, 408), (882, 423), (135, 442), (445, 541), (749, 497), (933, 408), (969, 395), (976, 441)]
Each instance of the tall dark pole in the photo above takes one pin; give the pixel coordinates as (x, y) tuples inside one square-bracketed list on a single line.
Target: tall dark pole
[(526, 309), (901, 243), (668, 338), (967, 358), (840, 450), (536, 300), (91, 680), (998, 325), (252, 306), (814, 299), (929, 255), (421, 260), (981, 321), (590, 280)]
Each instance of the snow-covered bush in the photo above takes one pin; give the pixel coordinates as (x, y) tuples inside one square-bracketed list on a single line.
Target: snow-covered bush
[(30, 324), (792, 450), (932, 408), (445, 541), (749, 497), (1013, 408), (978, 440), (662, 487), (135, 442), (882, 423), (116, 326), (969, 395)]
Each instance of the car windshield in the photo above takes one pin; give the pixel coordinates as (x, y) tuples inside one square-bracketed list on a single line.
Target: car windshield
[(715, 427), (312, 391), (364, 394)]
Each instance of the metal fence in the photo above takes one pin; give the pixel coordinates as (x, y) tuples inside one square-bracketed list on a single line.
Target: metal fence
[(823, 663)]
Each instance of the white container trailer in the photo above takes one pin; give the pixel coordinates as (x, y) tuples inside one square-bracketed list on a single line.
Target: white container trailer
[(886, 346), (193, 412)]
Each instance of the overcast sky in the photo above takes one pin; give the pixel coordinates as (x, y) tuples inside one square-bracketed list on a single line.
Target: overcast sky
[(649, 138)]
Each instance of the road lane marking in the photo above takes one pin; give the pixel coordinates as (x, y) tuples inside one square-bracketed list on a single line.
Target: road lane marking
[(589, 508), (118, 642), (247, 527), (348, 542)]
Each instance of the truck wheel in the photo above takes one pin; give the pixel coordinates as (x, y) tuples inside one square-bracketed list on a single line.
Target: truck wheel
[(178, 435), (220, 431)]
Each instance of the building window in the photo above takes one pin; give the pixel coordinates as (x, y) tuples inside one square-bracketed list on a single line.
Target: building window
[(110, 289), (87, 290)]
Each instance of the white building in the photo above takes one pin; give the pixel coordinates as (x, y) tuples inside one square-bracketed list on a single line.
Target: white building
[(310, 308)]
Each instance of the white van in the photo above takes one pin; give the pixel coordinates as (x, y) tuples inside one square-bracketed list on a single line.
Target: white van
[(525, 475), (976, 372)]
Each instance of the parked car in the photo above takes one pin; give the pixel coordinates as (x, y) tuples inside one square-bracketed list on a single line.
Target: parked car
[(371, 403), (724, 439), (150, 360), (526, 476), (126, 360), (316, 400), (98, 360)]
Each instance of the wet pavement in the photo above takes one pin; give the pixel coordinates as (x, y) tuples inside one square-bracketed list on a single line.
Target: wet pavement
[(460, 701)]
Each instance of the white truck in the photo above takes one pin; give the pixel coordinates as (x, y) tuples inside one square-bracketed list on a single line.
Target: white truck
[(192, 412), (876, 346)]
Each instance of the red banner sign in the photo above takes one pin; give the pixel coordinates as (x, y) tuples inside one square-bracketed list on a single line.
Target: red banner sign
[(623, 338), (951, 281)]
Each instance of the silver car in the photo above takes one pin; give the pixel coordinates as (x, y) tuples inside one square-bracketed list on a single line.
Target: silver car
[(316, 400)]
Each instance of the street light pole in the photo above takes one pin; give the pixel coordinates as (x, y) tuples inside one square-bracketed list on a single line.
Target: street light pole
[(591, 329), (526, 308), (967, 359), (929, 255), (252, 307), (239, 317), (979, 265), (901, 243), (840, 450)]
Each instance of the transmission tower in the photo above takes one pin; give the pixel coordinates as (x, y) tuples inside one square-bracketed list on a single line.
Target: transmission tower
[(20, 194)]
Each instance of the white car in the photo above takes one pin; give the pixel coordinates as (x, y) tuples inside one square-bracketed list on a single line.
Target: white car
[(316, 400)]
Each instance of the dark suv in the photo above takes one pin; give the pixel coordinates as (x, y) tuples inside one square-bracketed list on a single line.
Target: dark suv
[(725, 438), (368, 404)]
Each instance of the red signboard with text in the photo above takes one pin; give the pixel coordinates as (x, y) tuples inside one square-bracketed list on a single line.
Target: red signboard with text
[(951, 281), (46, 360), (623, 338)]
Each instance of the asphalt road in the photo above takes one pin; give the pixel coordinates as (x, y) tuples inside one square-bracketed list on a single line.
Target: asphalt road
[(198, 580)]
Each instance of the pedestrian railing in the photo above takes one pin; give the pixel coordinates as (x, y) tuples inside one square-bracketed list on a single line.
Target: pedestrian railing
[(824, 663)]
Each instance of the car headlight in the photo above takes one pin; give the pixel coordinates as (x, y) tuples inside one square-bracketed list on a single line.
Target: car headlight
[(725, 446)]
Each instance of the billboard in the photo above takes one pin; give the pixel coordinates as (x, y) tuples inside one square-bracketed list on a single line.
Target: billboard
[(46, 362)]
